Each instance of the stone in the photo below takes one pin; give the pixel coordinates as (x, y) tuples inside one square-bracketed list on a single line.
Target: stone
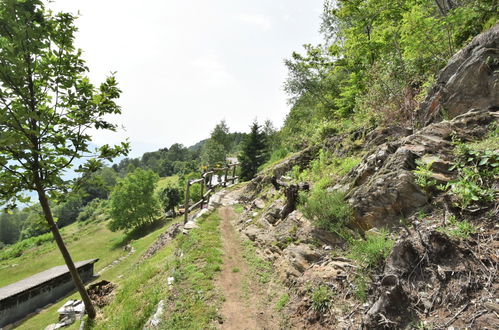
[(259, 203), (272, 215), (252, 232), (155, 320), (470, 80), (301, 256), (190, 225)]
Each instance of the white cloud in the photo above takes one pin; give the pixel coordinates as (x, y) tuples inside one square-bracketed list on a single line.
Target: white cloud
[(261, 21)]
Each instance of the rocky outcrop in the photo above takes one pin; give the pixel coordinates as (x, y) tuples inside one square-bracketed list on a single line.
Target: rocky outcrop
[(301, 159), (470, 80), (383, 189)]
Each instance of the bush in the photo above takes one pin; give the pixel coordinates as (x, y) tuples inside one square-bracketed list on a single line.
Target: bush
[(328, 210), (477, 169)]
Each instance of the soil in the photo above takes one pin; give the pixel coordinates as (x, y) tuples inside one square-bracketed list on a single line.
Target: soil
[(101, 292), (246, 303)]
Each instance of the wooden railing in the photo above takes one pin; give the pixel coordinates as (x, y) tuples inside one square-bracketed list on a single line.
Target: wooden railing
[(207, 184)]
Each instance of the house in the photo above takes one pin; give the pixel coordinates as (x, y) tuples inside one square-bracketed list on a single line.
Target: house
[(19, 299)]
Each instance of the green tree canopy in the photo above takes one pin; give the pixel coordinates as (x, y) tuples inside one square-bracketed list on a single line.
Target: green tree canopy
[(133, 202)]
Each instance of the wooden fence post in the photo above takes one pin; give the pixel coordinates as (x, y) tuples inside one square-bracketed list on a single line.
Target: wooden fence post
[(234, 173), (186, 204), (202, 192), (226, 175)]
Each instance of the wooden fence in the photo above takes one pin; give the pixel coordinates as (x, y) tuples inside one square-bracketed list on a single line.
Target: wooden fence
[(207, 184)]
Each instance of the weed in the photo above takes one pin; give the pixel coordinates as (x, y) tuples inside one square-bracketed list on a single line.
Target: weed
[(281, 303), (361, 282), (322, 299), (238, 208), (477, 170), (458, 229), (235, 270), (373, 250), (424, 175)]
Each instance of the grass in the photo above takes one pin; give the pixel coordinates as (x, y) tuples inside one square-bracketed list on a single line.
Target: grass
[(458, 229), (282, 302), (369, 254), (322, 298), (371, 251), (261, 270), (191, 303), (87, 242), (238, 208), (195, 304)]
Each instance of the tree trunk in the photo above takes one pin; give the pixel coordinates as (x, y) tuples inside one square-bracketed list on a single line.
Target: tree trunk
[(65, 253)]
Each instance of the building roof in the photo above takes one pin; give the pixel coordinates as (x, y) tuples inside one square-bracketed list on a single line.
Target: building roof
[(38, 279)]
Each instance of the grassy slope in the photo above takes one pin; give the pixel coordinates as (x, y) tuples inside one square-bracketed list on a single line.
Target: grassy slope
[(84, 242), (93, 241)]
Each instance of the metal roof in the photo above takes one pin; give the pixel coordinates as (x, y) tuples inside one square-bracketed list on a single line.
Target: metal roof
[(40, 278)]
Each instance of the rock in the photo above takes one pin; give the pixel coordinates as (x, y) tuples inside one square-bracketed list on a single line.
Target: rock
[(391, 305), (470, 80), (388, 194), (301, 159), (273, 212), (252, 232), (301, 256), (72, 309), (383, 188), (190, 225), (259, 203), (385, 134), (155, 319)]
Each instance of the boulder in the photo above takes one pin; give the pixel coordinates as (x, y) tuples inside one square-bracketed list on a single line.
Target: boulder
[(470, 80)]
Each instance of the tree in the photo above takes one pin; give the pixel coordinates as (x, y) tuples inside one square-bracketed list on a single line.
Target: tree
[(48, 105), (213, 153), (221, 135), (133, 202), (170, 197), (253, 152)]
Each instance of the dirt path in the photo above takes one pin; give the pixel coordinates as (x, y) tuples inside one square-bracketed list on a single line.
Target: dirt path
[(243, 307)]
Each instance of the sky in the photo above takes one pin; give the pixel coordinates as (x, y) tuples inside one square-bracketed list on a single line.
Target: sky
[(185, 65)]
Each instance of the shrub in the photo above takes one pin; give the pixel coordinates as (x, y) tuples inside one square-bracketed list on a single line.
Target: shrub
[(328, 210), (92, 210), (477, 169)]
